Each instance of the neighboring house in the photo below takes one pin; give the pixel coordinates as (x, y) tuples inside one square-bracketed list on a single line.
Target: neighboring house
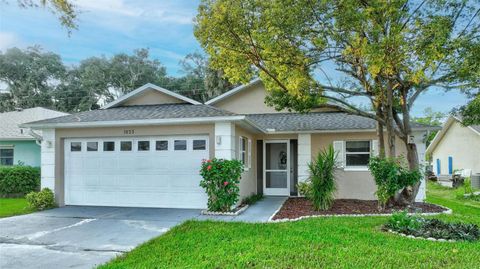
[(145, 149), (455, 147), (18, 145)]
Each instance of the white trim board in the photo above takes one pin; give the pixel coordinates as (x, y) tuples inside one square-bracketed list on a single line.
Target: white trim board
[(232, 92), (145, 87)]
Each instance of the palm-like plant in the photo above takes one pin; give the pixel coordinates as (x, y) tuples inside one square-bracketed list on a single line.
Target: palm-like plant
[(322, 179)]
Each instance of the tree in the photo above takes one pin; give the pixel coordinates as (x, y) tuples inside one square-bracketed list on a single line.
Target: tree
[(432, 118), (63, 9), (389, 52), (30, 77), (128, 72), (471, 112), (202, 81)]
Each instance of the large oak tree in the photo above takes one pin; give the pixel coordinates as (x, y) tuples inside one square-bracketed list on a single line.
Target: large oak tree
[(308, 52)]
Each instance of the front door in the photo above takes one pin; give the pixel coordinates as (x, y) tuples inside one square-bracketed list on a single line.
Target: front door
[(276, 173)]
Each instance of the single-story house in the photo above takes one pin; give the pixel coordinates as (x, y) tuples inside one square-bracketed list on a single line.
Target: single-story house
[(19, 145), (455, 147), (145, 148)]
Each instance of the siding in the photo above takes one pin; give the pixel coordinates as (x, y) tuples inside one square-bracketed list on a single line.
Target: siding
[(463, 145), (26, 152)]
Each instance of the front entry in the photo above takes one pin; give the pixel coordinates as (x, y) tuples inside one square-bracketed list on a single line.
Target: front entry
[(276, 163)]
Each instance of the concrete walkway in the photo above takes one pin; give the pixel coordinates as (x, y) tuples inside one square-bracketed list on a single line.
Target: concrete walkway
[(84, 237)]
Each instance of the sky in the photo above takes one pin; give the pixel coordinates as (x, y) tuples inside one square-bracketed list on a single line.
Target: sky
[(107, 27)]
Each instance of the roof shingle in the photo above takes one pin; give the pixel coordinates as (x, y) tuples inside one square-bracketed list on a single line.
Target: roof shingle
[(140, 112), (9, 121), (315, 121)]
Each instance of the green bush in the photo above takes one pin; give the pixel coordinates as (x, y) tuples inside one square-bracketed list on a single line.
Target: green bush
[(305, 189), (391, 176), (419, 227), (322, 179), (220, 181), (404, 223), (16, 181), (252, 199), (41, 200)]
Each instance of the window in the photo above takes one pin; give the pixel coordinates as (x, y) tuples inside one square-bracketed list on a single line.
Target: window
[(199, 144), (180, 145), (243, 150), (76, 146), (125, 145), (357, 153), (109, 146), (6, 156), (92, 146), (161, 145), (143, 145)]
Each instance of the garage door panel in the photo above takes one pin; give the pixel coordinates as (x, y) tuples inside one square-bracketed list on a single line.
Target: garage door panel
[(151, 178)]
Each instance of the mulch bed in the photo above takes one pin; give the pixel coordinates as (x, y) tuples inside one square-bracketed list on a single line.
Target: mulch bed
[(298, 207)]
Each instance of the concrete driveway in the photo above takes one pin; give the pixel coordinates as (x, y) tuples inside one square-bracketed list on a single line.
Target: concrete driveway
[(83, 237)]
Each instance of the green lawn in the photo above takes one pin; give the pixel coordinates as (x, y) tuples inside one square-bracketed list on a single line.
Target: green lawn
[(314, 243), (13, 206)]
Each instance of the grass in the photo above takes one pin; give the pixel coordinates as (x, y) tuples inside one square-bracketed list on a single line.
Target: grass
[(341, 242), (13, 206)]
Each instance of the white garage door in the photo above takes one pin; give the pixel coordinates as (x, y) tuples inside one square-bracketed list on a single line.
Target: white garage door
[(140, 171)]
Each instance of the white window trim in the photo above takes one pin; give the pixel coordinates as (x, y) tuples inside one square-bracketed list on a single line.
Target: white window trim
[(249, 156), (240, 151), (356, 167), (12, 148)]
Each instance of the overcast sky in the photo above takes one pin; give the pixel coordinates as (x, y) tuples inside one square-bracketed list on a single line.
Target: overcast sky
[(107, 27)]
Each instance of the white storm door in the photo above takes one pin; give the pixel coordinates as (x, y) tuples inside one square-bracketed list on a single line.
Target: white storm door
[(276, 167)]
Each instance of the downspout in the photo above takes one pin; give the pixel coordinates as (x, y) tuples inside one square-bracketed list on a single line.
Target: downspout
[(38, 138)]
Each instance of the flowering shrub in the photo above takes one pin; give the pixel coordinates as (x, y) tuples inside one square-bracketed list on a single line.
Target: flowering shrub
[(220, 181)]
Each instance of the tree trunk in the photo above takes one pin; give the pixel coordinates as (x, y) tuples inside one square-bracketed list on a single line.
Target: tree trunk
[(409, 194), (381, 137), (389, 122)]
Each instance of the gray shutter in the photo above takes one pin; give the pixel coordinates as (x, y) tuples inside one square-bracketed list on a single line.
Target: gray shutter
[(339, 148), (375, 148)]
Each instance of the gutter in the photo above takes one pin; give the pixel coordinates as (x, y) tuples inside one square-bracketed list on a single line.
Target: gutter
[(117, 123)]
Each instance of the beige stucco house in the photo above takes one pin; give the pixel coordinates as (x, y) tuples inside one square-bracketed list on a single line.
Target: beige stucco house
[(455, 147), (145, 148)]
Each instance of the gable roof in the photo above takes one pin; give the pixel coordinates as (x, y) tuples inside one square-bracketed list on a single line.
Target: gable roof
[(446, 126), (233, 91), (10, 121), (148, 86), (317, 122), (138, 115)]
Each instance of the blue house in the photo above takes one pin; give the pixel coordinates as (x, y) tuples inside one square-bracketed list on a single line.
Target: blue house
[(19, 145)]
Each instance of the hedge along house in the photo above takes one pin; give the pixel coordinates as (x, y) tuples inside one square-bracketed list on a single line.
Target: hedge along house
[(19, 145), (145, 149), (455, 147)]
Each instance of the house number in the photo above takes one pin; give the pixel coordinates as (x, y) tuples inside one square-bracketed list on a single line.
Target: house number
[(129, 132)]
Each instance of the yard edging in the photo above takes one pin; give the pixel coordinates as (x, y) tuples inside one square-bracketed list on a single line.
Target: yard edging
[(217, 213), (422, 238), (447, 211)]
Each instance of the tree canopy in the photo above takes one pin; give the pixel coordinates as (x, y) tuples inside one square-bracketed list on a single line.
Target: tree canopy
[(313, 53), (34, 77)]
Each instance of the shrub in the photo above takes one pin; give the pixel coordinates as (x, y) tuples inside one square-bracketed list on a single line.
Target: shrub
[(322, 179), (220, 181), (16, 181), (404, 223), (41, 200), (305, 189), (391, 176), (434, 228), (252, 199)]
